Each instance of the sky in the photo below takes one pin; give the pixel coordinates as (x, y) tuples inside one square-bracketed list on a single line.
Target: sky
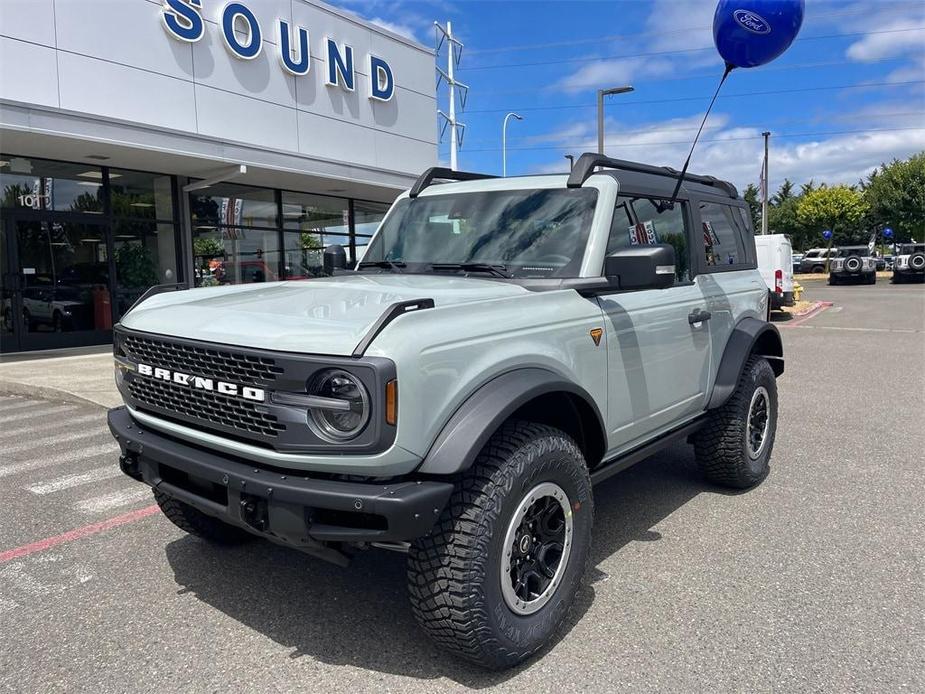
[(848, 94)]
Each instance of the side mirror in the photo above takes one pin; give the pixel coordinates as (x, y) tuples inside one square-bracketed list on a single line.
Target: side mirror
[(334, 258), (641, 267)]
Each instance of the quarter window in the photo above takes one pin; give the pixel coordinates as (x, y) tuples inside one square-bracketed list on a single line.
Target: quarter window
[(641, 221), (722, 246)]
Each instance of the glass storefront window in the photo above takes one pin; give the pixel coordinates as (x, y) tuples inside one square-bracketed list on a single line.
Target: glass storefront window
[(367, 216), (39, 184), (137, 194), (317, 214), (145, 254), (229, 205), (234, 255)]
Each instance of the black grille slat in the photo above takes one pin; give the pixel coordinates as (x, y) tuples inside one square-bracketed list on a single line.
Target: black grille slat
[(205, 406), (222, 364)]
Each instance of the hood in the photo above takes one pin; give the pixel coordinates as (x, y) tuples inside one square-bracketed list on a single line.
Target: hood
[(328, 315)]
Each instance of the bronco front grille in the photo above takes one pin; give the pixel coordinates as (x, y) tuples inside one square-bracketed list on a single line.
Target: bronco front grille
[(208, 407), (210, 362)]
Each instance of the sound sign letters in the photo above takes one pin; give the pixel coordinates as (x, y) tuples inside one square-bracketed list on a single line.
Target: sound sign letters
[(184, 22)]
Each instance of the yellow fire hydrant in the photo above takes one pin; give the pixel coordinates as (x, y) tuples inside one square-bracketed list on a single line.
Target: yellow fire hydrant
[(797, 291)]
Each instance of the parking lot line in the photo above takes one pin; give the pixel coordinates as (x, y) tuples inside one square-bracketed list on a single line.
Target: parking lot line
[(77, 533), (107, 502), (45, 412), (70, 481), (70, 456), (71, 421), (56, 438)]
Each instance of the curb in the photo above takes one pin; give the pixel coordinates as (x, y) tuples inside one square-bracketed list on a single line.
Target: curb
[(47, 393)]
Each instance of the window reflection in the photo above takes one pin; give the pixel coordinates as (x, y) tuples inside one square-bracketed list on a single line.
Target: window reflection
[(39, 184)]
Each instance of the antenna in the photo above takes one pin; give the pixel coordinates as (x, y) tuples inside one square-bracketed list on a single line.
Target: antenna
[(454, 54)]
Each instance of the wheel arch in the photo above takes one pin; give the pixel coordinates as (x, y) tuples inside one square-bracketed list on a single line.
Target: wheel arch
[(750, 337), (533, 394)]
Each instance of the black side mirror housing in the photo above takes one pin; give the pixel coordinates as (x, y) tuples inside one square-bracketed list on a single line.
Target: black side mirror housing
[(334, 258), (641, 267)]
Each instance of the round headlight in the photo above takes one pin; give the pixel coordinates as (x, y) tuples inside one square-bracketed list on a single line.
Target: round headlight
[(345, 421)]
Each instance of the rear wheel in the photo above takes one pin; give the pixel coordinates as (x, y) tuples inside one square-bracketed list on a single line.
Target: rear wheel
[(734, 446), (197, 523), (496, 578), (818, 268)]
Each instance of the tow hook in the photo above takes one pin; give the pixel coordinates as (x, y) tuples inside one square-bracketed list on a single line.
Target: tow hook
[(254, 512), (129, 465)]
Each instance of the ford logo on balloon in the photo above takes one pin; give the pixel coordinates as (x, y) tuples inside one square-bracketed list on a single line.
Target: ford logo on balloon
[(752, 22), (749, 33)]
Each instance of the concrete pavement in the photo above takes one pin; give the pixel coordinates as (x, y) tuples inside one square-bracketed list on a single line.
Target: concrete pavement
[(80, 379)]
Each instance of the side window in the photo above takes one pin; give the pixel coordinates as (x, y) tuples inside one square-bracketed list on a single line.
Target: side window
[(721, 245), (644, 221)]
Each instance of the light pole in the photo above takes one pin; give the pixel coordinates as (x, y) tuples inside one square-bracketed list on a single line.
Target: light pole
[(601, 93), (571, 161), (504, 141)]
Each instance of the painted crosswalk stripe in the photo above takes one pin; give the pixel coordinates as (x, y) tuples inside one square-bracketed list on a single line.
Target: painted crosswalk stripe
[(9, 405), (44, 412), (56, 424), (56, 438), (63, 458), (107, 502), (75, 480)]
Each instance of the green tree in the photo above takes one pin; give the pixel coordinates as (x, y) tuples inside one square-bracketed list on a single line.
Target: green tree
[(895, 194), (783, 194), (754, 204), (839, 208)]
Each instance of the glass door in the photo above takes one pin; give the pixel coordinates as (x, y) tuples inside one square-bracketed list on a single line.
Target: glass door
[(55, 284)]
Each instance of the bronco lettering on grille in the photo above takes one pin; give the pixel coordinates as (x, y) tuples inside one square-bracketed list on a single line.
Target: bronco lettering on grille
[(200, 383)]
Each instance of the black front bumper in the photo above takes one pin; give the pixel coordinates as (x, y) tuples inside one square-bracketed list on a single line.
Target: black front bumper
[(287, 507)]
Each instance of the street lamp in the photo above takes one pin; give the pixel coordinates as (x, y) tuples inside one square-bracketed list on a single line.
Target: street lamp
[(601, 93), (504, 141), (571, 161)]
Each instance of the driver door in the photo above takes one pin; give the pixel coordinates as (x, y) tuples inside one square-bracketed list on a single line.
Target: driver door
[(658, 361)]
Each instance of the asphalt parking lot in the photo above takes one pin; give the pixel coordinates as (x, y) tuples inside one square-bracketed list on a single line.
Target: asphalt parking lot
[(812, 581)]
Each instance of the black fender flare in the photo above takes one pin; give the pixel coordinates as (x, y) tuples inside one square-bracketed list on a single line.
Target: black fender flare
[(750, 336), (468, 430)]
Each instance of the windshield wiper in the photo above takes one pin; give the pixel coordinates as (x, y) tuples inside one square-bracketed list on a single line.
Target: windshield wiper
[(496, 270), (393, 265)]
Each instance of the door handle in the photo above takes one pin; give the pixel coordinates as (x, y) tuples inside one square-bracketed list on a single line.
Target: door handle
[(698, 316)]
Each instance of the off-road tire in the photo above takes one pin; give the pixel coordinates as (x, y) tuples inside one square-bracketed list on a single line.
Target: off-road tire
[(454, 574), (817, 269), (721, 446), (195, 522)]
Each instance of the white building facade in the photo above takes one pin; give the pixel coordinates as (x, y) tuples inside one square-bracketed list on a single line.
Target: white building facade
[(194, 141)]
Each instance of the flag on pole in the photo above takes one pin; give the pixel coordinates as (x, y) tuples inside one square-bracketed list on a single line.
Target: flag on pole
[(872, 243)]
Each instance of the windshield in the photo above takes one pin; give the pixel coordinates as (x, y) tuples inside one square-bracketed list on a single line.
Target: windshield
[(526, 233)]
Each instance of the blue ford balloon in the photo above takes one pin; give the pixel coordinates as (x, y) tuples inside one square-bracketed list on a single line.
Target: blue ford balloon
[(827, 234), (749, 33), (888, 232)]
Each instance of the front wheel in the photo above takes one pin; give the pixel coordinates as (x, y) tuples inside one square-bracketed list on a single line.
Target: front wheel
[(734, 446), (497, 576)]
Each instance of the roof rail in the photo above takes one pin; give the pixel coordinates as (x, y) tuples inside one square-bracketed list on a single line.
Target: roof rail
[(588, 161), (438, 172)]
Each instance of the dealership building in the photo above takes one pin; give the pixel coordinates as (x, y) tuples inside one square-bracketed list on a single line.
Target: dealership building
[(200, 142)]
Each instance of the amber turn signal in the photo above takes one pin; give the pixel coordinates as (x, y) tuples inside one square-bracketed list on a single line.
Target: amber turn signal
[(391, 402)]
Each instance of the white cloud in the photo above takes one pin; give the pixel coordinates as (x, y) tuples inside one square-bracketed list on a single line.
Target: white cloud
[(906, 35), (396, 28), (608, 73), (735, 153)]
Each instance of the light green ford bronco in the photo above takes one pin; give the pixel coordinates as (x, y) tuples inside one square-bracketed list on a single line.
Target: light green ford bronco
[(503, 345)]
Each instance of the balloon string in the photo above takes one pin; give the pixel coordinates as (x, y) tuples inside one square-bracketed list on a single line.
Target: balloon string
[(729, 68)]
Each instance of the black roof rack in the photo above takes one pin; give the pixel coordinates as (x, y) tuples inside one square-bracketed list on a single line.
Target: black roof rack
[(438, 172), (588, 161)]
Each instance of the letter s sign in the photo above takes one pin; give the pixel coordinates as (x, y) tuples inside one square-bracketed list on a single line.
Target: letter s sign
[(183, 20)]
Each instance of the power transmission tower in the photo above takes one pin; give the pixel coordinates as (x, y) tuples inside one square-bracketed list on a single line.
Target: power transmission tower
[(454, 53)]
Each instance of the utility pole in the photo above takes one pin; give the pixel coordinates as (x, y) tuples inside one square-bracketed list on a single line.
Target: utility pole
[(454, 53), (601, 93), (764, 196), (504, 141)]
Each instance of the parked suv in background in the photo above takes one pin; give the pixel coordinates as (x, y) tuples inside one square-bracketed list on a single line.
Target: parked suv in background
[(504, 344), (853, 264), (909, 263), (814, 259)]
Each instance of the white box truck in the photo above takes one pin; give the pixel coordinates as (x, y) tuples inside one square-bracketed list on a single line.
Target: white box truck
[(776, 265)]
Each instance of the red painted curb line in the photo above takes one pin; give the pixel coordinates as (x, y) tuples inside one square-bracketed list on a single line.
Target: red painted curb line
[(76, 534), (817, 308)]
